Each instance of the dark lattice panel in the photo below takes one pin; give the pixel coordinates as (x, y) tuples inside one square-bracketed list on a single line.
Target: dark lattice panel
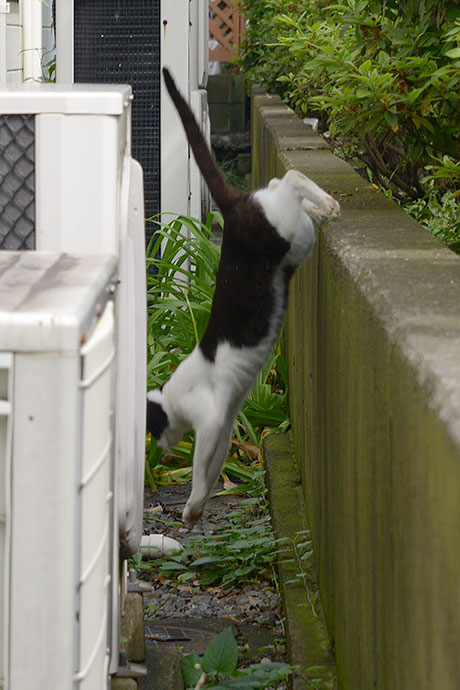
[(17, 182), (118, 41)]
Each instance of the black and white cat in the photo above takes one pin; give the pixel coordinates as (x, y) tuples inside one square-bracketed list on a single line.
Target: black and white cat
[(267, 233)]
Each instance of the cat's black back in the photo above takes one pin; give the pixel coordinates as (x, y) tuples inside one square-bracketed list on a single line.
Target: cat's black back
[(252, 251)]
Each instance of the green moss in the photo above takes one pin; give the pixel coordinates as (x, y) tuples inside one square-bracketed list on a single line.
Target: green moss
[(307, 640)]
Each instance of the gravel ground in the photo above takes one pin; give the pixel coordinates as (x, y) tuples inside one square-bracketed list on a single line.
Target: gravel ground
[(253, 611)]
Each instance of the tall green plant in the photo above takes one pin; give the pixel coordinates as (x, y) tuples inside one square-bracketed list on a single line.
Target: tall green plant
[(181, 266), (182, 261)]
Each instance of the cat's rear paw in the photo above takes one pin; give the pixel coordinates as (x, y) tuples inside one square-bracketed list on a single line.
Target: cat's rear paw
[(313, 211), (327, 208), (191, 514), (330, 207)]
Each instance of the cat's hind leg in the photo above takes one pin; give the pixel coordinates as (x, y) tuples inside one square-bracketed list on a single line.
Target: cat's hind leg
[(313, 196), (313, 211), (211, 447)]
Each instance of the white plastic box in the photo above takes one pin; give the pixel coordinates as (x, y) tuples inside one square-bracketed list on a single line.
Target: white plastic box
[(57, 356), (89, 199)]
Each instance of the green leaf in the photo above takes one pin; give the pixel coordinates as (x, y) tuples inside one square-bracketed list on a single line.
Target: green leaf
[(221, 655), (256, 676), (173, 565), (203, 561), (365, 67), (453, 53), (391, 118), (189, 671)]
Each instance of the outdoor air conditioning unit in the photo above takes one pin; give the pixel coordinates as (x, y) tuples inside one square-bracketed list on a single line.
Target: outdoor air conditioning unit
[(126, 42), (68, 184), (58, 349)]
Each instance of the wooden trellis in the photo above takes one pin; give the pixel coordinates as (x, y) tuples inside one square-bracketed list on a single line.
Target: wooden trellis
[(226, 26)]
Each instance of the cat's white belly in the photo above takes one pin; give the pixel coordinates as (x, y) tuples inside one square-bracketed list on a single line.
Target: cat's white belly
[(235, 368)]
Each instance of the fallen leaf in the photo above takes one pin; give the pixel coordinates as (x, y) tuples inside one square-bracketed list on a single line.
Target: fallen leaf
[(155, 509), (229, 484), (253, 601), (184, 588)]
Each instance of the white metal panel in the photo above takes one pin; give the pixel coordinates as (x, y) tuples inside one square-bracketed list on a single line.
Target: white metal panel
[(131, 371), (61, 483), (43, 554), (175, 31), (13, 48), (2, 49), (14, 56), (96, 497), (64, 42), (31, 19), (78, 170), (203, 44), (199, 39), (199, 193), (50, 295), (78, 99), (6, 401), (48, 42)]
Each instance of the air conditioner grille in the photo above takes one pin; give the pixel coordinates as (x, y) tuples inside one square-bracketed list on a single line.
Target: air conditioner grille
[(119, 43), (17, 182)]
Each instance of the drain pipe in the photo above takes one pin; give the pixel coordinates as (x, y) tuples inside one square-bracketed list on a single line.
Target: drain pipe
[(64, 42), (4, 9), (157, 545), (31, 39)]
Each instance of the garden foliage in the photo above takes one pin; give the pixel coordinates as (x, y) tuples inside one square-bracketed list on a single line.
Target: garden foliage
[(180, 282), (218, 668), (382, 75)]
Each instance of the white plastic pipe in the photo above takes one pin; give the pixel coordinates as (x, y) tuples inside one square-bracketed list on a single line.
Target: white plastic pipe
[(31, 38), (64, 42), (157, 545), (4, 8)]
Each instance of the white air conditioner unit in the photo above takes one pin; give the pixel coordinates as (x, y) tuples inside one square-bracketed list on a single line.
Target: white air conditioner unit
[(69, 184), (182, 30), (58, 347)]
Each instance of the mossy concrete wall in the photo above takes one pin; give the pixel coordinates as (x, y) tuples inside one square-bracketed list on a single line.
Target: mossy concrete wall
[(373, 341)]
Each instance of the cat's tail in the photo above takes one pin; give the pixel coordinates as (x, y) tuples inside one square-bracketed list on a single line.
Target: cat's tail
[(221, 192)]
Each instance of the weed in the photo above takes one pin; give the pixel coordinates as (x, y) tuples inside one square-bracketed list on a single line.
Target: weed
[(229, 167), (298, 549), (218, 668), (440, 216), (240, 550)]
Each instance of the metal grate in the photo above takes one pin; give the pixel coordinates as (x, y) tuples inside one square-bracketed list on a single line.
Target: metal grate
[(192, 640), (17, 182), (119, 43)]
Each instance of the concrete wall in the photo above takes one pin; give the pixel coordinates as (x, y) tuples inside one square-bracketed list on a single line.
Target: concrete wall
[(373, 338)]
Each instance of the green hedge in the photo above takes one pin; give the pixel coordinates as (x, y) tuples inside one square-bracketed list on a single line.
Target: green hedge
[(382, 76)]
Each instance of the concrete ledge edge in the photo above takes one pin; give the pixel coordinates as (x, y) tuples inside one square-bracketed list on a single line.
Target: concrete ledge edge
[(307, 641)]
